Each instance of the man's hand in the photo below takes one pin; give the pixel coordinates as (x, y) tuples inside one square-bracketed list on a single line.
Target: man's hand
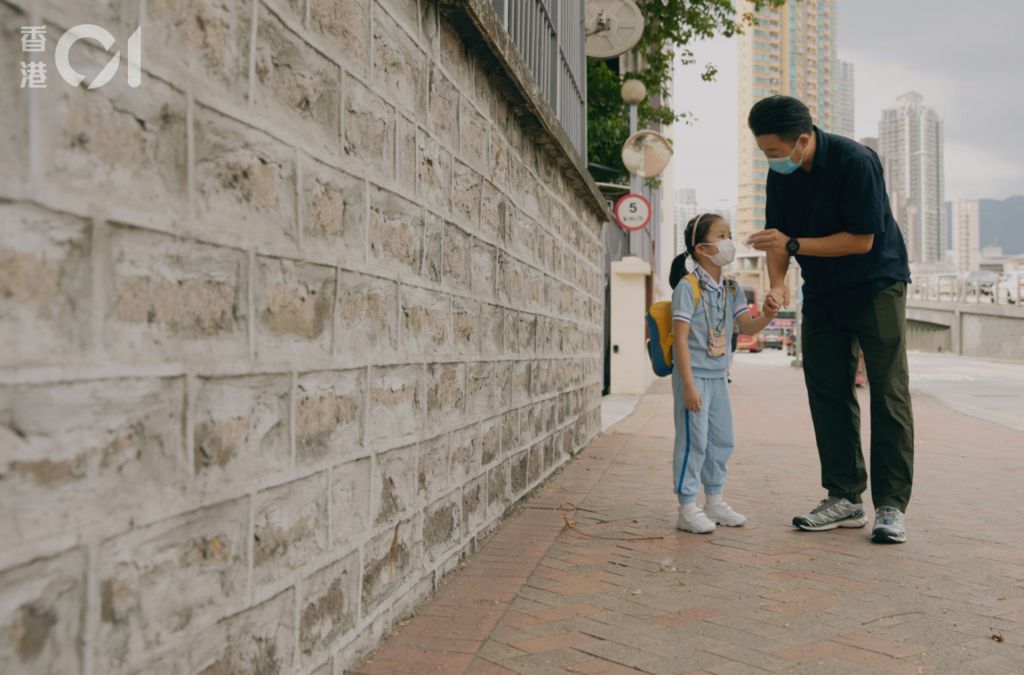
[(691, 399), (770, 241)]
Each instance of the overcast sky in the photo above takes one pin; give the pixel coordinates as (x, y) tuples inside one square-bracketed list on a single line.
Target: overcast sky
[(965, 58)]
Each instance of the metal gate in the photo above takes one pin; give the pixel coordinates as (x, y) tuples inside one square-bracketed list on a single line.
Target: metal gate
[(550, 36)]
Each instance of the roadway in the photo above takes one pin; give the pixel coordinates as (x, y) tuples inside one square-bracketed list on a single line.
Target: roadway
[(988, 390)]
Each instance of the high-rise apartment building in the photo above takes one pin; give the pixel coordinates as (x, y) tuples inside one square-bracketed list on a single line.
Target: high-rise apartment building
[(724, 211), (844, 101), (910, 139), (790, 50), (894, 199), (966, 246), (685, 209)]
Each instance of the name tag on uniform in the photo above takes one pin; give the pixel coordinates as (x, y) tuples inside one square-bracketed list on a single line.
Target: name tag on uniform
[(716, 343)]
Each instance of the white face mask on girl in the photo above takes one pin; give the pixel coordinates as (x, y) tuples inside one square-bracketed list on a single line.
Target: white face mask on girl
[(726, 253)]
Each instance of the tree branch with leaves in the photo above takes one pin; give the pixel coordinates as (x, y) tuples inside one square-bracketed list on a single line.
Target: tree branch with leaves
[(671, 26)]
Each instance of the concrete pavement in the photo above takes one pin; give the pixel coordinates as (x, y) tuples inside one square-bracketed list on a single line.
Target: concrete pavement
[(609, 585), (989, 390)]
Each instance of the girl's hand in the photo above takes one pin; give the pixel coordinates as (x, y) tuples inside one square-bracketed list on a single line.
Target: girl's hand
[(691, 399), (770, 310), (778, 297)]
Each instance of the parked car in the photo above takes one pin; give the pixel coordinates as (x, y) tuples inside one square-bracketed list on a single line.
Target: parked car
[(774, 338), (750, 343), (984, 280), (781, 326), (1011, 288)]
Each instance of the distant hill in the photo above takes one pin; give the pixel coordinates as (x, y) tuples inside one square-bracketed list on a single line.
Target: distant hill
[(1002, 223)]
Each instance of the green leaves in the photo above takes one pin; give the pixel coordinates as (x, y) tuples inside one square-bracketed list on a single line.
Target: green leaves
[(671, 25)]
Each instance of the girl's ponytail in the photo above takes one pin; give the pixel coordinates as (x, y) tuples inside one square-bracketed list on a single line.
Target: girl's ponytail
[(678, 269)]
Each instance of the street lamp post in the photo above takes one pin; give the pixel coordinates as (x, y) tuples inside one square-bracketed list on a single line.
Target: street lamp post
[(633, 93)]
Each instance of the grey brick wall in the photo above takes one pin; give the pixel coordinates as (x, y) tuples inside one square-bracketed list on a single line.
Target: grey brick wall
[(287, 330)]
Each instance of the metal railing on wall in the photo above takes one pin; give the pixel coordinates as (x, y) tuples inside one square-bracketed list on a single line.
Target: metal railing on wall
[(1000, 290), (549, 35)]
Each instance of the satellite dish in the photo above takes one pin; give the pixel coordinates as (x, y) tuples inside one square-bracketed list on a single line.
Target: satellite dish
[(613, 27), (646, 153)]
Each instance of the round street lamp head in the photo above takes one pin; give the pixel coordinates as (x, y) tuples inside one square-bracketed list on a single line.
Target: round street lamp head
[(633, 91)]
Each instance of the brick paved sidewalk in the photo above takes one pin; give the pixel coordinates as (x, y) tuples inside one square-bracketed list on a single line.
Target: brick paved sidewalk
[(540, 598)]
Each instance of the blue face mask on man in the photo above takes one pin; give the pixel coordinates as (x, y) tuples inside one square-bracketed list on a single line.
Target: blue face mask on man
[(786, 165)]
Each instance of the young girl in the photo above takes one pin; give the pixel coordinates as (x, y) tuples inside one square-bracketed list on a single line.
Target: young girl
[(702, 330)]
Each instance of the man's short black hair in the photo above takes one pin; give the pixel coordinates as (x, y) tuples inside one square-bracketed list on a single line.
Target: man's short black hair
[(785, 116)]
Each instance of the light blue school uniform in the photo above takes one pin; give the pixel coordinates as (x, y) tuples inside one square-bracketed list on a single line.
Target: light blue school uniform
[(704, 440)]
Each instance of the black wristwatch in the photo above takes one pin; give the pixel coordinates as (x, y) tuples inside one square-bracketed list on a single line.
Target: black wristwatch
[(793, 246)]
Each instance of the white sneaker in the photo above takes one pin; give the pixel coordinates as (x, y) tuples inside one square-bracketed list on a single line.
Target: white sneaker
[(723, 514), (694, 520)]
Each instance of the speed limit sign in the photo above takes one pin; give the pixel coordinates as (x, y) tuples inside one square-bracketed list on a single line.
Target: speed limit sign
[(633, 212)]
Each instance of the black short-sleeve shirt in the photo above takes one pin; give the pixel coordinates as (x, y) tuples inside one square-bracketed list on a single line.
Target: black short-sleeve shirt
[(843, 192)]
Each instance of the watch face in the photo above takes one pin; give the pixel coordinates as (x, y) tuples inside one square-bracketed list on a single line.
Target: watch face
[(792, 246)]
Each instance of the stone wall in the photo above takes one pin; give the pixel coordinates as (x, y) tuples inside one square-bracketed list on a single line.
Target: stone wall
[(287, 330)]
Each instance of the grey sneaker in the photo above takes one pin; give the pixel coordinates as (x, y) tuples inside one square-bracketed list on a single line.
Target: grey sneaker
[(831, 513), (890, 526)]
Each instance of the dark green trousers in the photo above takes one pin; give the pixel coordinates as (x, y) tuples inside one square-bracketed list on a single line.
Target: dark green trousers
[(830, 366)]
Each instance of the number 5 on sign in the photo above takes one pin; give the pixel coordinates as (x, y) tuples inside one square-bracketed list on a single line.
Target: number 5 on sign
[(633, 212)]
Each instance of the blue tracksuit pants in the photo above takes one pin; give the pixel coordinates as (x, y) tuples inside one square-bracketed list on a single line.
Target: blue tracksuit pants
[(704, 440)]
